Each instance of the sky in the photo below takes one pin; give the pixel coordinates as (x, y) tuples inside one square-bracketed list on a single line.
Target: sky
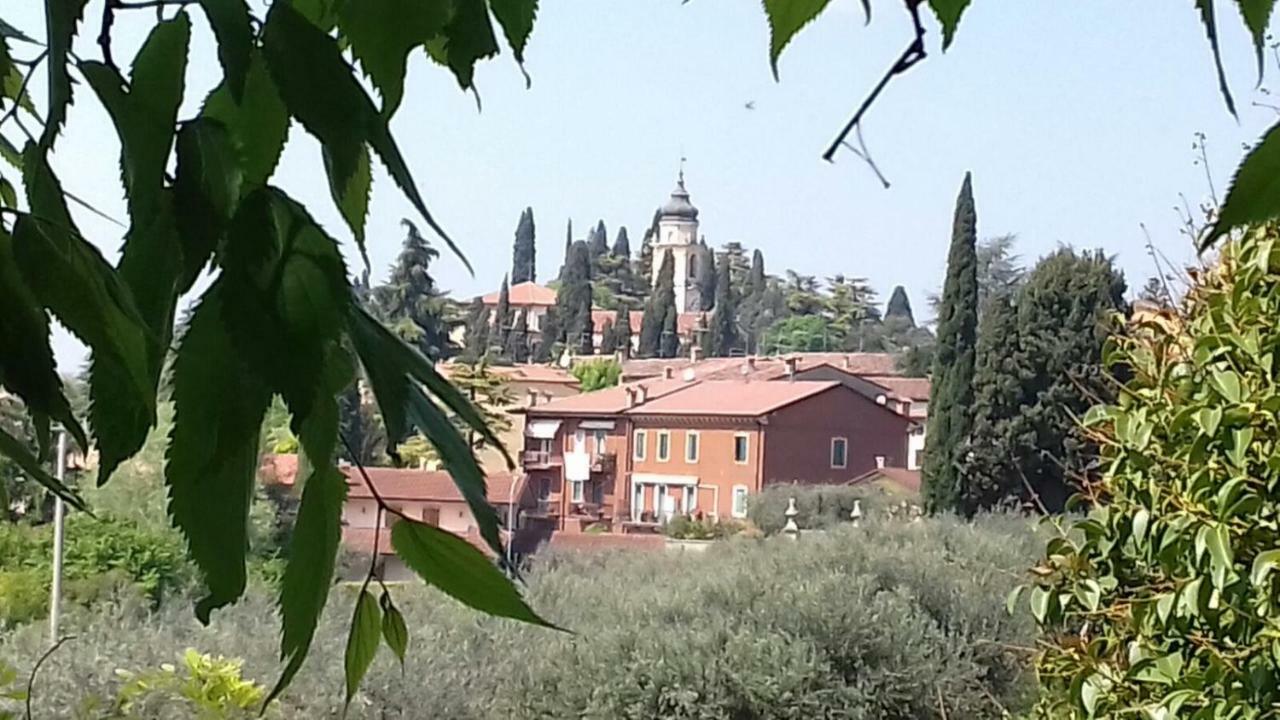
[(1076, 118)]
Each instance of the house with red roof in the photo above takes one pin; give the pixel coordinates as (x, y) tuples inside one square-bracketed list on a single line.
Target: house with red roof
[(536, 299), (634, 456)]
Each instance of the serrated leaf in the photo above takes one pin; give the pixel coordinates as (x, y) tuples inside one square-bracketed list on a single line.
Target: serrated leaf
[(229, 20), (353, 199), (1254, 196), (207, 191), (1210, 22), (460, 570), (516, 18), (394, 630), (948, 13), (786, 18), (1263, 565), (320, 89), (61, 17), (213, 451), (383, 33), (258, 122), (362, 643), (9, 31), (1257, 15), (15, 450), (466, 39), (27, 367)]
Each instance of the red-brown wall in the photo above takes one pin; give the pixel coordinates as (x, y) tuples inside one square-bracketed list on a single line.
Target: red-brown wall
[(715, 469), (797, 445)]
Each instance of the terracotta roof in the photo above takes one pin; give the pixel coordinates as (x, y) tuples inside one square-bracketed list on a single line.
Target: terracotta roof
[(408, 484), (686, 322), (906, 479), (916, 389), (766, 367), (360, 540), (523, 373), (278, 469), (524, 294), (610, 401), (728, 397)]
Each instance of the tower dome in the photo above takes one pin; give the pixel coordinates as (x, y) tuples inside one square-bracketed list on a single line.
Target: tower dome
[(678, 206)]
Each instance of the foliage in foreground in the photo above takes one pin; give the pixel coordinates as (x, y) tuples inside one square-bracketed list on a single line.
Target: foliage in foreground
[(1163, 601), (891, 621)]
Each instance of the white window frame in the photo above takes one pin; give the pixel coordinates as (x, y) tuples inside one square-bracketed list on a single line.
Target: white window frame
[(577, 491), (693, 437), (657, 451), (640, 438), (844, 460), (746, 445), (745, 492)]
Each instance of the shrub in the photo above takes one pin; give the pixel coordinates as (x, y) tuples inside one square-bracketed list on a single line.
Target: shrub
[(1162, 602), (206, 687), (687, 528), (24, 596), (821, 506), (887, 620)]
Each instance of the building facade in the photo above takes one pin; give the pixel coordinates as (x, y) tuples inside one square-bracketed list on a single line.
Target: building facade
[(678, 235)]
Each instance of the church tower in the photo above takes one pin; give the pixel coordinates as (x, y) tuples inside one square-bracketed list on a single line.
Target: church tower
[(678, 234)]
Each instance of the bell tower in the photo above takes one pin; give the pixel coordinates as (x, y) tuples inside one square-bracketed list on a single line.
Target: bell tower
[(678, 234)]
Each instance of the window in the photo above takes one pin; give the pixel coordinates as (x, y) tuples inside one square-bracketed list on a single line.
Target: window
[(839, 452), (740, 448), (640, 439), (664, 446), (577, 490), (598, 436), (739, 501), (691, 447)]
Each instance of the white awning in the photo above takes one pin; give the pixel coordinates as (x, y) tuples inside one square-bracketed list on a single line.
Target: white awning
[(596, 424), (658, 479), (542, 429)]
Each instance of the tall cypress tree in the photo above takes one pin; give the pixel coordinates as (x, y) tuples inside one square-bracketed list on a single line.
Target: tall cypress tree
[(622, 330), (608, 342), (598, 241), (517, 347), (669, 345), (708, 279), (724, 329), (523, 260), (573, 299), (549, 337), (991, 462), (477, 340), (661, 301), (899, 307), (951, 394), (622, 245), (644, 266), (503, 317), (568, 243)]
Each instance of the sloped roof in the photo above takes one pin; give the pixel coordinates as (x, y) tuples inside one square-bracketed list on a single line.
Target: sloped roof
[(915, 389), (523, 373), (524, 294), (610, 401), (728, 397), (765, 367), (686, 322), (421, 485), (905, 479)]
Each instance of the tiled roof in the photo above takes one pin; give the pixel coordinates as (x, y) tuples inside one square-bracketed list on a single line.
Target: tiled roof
[(916, 389), (409, 484), (728, 397), (906, 479), (686, 322), (524, 373), (524, 294), (764, 368), (610, 401), (360, 540)]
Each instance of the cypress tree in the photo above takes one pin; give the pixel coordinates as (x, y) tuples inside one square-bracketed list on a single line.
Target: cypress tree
[(661, 300), (669, 345), (549, 337), (990, 461), (645, 263), (951, 394), (517, 347), (724, 330), (756, 280), (477, 340), (899, 307), (503, 317), (598, 241), (523, 261), (568, 243), (573, 299), (622, 245), (707, 281), (622, 330), (608, 342)]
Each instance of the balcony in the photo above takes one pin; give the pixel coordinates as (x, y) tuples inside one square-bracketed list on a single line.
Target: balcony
[(604, 462), (539, 459)]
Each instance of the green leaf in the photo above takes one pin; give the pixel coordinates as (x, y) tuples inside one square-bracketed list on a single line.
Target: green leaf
[(27, 366), (258, 122), (516, 18), (213, 451), (786, 18), (1091, 690), (353, 199), (460, 570), (362, 643), (466, 39), (1254, 196), (1041, 599), (15, 450), (1263, 564), (1218, 543), (394, 630), (383, 33), (61, 17), (230, 22), (1257, 15), (1227, 383), (321, 91), (1209, 420), (1211, 31), (948, 13), (1240, 441), (207, 191)]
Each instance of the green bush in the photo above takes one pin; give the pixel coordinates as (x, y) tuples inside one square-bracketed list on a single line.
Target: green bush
[(24, 596), (687, 528), (890, 621), (205, 687), (822, 506)]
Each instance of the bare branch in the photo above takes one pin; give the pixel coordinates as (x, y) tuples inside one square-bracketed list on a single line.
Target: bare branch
[(31, 679)]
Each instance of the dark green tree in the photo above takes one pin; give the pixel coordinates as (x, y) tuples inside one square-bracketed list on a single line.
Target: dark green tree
[(550, 338), (411, 303), (362, 428), (622, 244), (723, 333), (622, 330), (598, 241), (899, 307), (669, 344), (707, 280), (573, 300), (524, 255), (503, 318), (951, 393), (990, 475), (517, 348), (797, 333), (568, 243), (478, 331), (644, 265), (661, 301), (608, 342)]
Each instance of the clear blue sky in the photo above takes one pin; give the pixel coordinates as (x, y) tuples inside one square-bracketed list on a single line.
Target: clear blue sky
[(1076, 117)]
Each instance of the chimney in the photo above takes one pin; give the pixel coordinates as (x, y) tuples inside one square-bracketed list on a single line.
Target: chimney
[(668, 373), (631, 397), (546, 397), (642, 395), (694, 352), (533, 398), (846, 362), (879, 462), (790, 362)]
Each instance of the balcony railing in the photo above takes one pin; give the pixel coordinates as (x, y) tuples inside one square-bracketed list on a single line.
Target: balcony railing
[(539, 458)]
